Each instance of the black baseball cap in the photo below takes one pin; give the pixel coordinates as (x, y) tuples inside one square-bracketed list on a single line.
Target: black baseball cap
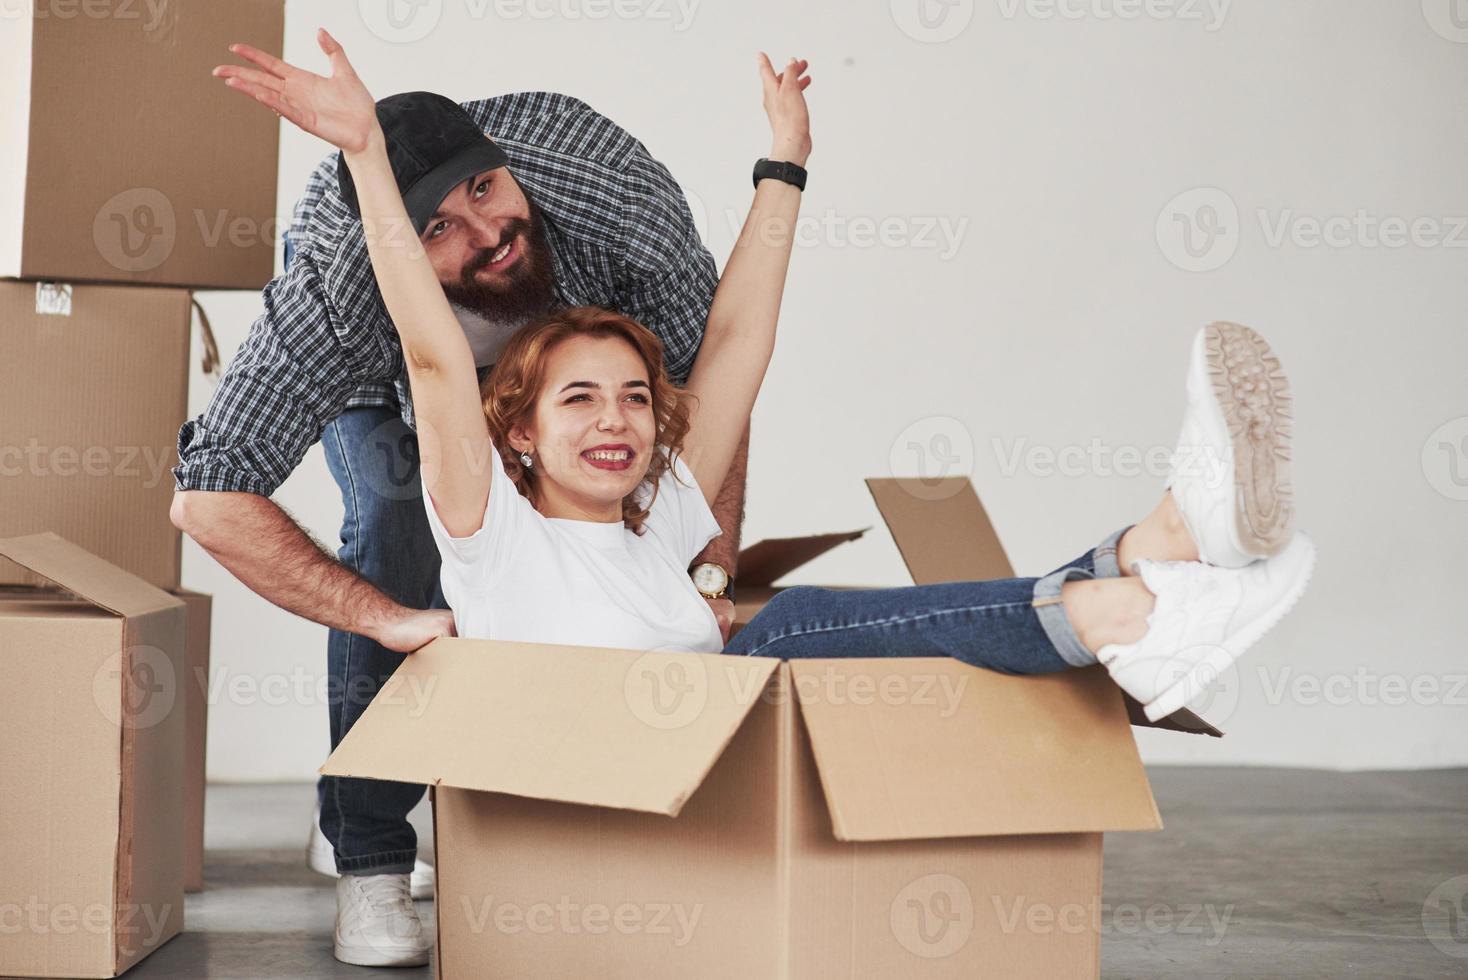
[(432, 146)]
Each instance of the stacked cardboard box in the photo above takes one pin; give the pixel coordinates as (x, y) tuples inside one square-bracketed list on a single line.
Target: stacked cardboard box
[(620, 813), (128, 179)]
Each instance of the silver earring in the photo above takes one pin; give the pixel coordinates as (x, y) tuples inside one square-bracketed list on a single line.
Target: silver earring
[(526, 461)]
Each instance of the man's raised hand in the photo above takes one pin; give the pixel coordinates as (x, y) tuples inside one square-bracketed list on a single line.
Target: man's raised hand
[(338, 109)]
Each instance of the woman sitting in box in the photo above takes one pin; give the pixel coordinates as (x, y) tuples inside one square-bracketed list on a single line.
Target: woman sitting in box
[(570, 491)]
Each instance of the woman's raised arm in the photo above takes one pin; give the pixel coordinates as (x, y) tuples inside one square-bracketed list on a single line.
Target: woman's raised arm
[(453, 440), (740, 336)]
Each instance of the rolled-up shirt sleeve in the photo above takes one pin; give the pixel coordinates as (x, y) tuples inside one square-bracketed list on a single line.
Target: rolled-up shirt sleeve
[(289, 378)]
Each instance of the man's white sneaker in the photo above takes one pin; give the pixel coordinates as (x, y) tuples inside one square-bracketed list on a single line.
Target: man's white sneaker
[(1231, 469), (376, 923), (1203, 620), (321, 858)]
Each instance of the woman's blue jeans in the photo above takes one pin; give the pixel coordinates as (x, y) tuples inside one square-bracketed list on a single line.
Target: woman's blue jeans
[(1012, 625)]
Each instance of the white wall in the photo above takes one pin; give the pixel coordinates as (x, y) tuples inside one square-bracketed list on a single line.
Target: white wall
[(1053, 148)]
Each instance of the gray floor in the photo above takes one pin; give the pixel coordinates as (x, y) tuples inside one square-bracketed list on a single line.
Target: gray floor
[(1259, 873)]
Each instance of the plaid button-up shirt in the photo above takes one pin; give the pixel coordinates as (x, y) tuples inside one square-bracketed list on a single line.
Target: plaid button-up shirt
[(618, 227)]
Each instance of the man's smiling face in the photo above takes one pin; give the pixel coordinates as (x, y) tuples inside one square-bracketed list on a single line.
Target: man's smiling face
[(488, 248)]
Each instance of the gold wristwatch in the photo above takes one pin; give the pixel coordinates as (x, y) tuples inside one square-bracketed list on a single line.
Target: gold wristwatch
[(712, 581)]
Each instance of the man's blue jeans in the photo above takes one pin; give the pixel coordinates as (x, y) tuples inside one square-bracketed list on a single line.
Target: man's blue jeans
[(1014, 625), (385, 538)]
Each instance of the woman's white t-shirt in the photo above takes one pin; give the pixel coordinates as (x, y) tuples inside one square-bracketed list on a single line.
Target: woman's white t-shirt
[(526, 577)]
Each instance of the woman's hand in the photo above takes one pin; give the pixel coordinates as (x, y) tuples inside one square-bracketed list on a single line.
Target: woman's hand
[(338, 109), (784, 96)]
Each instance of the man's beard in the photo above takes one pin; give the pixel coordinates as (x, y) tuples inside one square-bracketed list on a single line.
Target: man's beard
[(526, 290)]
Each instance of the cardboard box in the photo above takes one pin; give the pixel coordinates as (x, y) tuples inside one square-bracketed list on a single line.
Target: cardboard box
[(121, 159), (95, 387), (195, 676), (834, 818), (91, 877)]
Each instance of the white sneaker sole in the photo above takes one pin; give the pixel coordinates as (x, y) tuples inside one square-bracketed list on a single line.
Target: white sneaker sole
[(1206, 671), (1242, 368), (372, 956)]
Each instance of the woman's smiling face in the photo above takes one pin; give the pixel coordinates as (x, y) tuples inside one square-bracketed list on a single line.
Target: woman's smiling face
[(593, 429)]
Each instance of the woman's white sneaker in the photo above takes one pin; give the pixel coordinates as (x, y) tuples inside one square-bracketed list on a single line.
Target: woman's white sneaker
[(376, 923), (1231, 469), (1203, 620)]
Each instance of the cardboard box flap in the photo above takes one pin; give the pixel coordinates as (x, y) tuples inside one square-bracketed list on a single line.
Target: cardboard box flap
[(922, 748), (613, 728), (945, 535), (766, 562), (79, 571), (942, 529)]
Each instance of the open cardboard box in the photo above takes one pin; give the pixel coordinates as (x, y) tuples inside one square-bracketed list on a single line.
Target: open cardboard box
[(91, 811), (612, 813)]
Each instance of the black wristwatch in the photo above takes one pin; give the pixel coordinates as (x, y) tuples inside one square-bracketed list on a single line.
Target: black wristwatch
[(790, 173)]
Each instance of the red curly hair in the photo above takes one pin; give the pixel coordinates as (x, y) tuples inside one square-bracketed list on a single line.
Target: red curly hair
[(512, 388)]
